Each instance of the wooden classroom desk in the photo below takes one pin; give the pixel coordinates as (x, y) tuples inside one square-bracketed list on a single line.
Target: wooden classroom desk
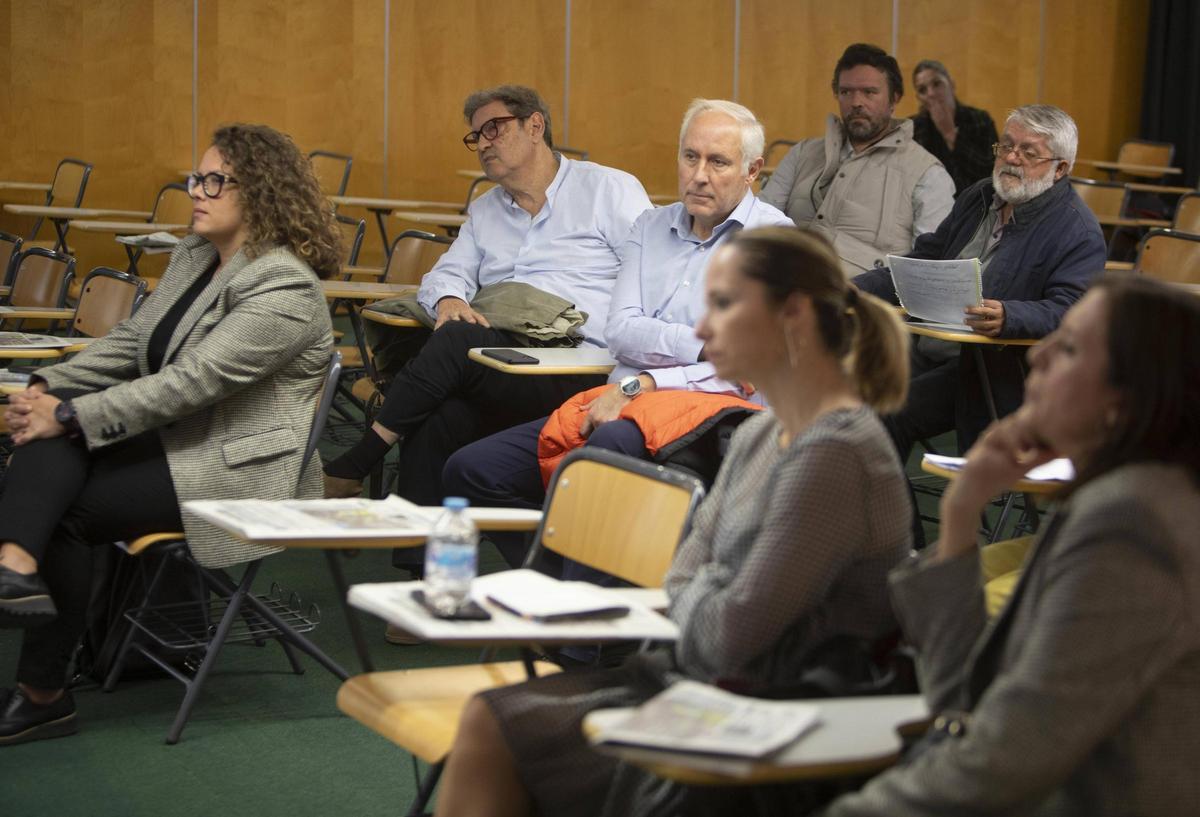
[(36, 313), (127, 227), (1021, 486), (1113, 221), (60, 216), (365, 290), (577, 360), (471, 174), (854, 736), (450, 222), (38, 187), (381, 208), (1131, 169), (1147, 187)]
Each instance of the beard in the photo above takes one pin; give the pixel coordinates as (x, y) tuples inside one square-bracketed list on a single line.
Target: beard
[(865, 129), (1024, 190)]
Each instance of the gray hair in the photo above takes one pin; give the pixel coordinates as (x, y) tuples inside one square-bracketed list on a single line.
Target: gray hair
[(931, 65), (522, 102), (1055, 124), (753, 137)]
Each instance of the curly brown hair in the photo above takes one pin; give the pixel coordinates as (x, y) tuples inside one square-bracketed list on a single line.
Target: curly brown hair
[(281, 198)]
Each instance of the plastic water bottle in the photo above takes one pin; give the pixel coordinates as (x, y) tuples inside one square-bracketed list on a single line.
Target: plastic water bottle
[(451, 555)]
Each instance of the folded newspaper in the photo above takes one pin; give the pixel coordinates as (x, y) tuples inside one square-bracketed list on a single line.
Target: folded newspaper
[(693, 717), (151, 243), (22, 340), (1057, 470), (260, 520), (937, 292)]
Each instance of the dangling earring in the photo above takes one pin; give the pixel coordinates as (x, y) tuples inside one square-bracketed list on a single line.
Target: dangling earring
[(1111, 417), (793, 348)]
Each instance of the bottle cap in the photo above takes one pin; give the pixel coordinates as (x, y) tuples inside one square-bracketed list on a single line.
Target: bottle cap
[(455, 503)]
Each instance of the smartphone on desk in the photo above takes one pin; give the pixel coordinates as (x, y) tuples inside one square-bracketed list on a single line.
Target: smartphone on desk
[(467, 611), (594, 614), (510, 356)]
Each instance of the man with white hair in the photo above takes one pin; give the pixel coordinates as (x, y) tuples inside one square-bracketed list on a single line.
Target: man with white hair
[(1039, 246), (658, 299)]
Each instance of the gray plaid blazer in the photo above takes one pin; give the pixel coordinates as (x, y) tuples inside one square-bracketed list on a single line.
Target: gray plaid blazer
[(1084, 693), (234, 399)]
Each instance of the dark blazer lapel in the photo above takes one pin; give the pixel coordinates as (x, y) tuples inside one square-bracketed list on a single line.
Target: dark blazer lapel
[(985, 657), (204, 300)]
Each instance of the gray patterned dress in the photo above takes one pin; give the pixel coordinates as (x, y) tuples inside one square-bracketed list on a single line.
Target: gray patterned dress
[(791, 548)]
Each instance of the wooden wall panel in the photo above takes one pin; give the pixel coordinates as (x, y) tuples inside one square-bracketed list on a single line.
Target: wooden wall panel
[(111, 80), (635, 66), (1095, 63), (788, 53), (109, 83), (7, 171), (440, 53), (309, 68), (991, 51)]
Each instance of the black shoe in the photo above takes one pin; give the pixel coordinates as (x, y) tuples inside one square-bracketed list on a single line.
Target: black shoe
[(21, 720), (24, 600)]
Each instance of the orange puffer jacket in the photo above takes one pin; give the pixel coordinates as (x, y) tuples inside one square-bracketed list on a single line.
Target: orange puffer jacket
[(669, 420)]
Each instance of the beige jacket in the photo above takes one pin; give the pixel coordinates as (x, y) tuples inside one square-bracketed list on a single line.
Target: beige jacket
[(1083, 692), (865, 205), (234, 399)]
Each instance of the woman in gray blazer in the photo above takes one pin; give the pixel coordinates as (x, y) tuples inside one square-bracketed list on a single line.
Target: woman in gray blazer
[(1083, 696), (206, 393)]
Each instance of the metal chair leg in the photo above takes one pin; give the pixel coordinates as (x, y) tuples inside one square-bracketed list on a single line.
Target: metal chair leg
[(425, 790), (118, 665), (210, 655)]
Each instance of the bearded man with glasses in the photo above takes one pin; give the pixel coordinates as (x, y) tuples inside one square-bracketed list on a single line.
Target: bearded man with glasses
[(1039, 247)]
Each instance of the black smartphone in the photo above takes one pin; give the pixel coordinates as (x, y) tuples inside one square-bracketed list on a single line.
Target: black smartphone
[(467, 611), (510, 356)]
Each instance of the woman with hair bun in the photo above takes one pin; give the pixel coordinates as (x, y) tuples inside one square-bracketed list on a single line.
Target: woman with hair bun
[(789, 552), (206, 393)]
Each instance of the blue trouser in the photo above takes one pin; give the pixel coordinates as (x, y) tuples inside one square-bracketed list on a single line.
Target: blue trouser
[(502, 471)]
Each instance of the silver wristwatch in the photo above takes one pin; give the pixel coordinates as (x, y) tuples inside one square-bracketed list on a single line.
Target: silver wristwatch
[(630, 386)]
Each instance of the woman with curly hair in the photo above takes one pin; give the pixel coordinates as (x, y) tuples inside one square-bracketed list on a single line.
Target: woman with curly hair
[(206, 393)]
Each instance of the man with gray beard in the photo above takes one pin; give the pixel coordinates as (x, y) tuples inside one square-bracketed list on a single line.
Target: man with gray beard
[(1039, 246)]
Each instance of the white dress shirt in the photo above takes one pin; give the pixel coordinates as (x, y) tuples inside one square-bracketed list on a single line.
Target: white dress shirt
[(659, 296), (569, 248)]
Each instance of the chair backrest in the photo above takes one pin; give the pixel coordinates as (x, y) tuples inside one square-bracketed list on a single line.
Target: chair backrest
[(1104, 199), (10, 248), (477, 188), (787, 144), (172, 205), (70, 180), (1142, 152), (574, 153), (1187, 215), (41, 278), (333, 171), (1170, 256), (352, 239), (106, 298), (617, 514), (324, 401), (413, 253)]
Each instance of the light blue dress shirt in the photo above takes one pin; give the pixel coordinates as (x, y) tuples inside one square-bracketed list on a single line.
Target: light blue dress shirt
[(569, 248), (659, 296)]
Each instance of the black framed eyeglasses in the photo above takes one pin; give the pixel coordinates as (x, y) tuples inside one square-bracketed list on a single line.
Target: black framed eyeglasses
[(488, 130), (211, 183), (1026, 154)]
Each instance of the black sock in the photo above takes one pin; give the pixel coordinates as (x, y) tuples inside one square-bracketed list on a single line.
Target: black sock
[(359, 460)]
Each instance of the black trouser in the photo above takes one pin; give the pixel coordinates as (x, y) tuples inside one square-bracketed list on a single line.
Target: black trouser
[(441, 401), (58, 502), (948, 396)]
